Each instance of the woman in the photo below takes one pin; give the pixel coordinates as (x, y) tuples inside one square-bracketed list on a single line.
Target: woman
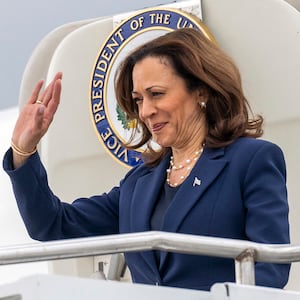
[(211, 176)]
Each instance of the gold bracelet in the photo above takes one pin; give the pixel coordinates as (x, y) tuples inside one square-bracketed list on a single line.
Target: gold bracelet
[(20, 151)]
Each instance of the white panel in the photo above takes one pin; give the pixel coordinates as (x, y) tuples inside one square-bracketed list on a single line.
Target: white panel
[(38, 63), (263, 37), (231, 291), (47, 287)]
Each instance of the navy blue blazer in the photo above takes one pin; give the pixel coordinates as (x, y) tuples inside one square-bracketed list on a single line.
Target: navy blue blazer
[(242, 195)]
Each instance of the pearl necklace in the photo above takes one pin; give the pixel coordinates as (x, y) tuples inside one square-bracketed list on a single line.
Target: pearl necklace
[(188, 164)]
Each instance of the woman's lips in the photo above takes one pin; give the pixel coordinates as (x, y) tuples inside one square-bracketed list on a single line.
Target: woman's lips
[(158, 126)]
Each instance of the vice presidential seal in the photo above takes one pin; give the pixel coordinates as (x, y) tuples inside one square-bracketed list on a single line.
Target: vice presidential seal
[(109, 120)]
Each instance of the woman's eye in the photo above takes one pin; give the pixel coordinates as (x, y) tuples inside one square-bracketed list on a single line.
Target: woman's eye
[(156, 94)]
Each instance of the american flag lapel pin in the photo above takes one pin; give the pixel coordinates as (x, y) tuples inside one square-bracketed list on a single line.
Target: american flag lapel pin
[(196, 182)]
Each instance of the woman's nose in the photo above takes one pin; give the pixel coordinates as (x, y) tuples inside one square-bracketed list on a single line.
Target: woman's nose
[(147, 109)]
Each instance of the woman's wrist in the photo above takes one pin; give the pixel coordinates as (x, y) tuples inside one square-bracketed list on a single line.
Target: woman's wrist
[(20, 151), (19, 155)]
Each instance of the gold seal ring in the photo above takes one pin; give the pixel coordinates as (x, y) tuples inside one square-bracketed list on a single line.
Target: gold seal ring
[(39, 101)]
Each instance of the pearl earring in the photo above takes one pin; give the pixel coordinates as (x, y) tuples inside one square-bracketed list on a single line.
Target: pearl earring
[(202, 105)]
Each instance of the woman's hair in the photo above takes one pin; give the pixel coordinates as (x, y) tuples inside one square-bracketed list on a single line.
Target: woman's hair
[(202, 65)]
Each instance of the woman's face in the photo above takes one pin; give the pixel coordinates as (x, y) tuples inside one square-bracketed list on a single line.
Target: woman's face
[(170, 111)]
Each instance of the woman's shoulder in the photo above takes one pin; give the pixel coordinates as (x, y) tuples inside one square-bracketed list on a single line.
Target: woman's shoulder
[(258, 153), (245, 149), (252, 144)]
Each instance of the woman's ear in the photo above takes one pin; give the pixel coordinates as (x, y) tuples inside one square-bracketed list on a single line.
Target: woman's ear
[(202, 97)]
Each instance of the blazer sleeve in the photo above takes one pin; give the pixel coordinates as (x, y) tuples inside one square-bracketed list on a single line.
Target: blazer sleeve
[(267, 209), (47, 218)]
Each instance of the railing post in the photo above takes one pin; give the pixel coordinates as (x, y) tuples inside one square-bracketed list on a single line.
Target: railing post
[(244, 267)]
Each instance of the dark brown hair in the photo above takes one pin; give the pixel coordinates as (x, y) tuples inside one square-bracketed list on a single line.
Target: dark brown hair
[(202, 64)]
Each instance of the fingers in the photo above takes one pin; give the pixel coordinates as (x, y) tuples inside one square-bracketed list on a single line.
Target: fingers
[(48, 94), (36, 92), (50, 101), (55, 96)]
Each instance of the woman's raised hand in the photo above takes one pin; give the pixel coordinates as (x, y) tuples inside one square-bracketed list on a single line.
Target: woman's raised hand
[(35, 119)]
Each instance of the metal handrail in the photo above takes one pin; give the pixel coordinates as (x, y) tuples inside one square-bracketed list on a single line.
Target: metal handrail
[(244, 253)]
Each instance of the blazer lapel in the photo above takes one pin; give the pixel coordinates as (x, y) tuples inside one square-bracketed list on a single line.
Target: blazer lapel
[(143, 200), (145, 195), (209, 166)]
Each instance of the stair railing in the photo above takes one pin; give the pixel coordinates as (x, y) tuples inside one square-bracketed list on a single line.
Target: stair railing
[(245, 253)]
